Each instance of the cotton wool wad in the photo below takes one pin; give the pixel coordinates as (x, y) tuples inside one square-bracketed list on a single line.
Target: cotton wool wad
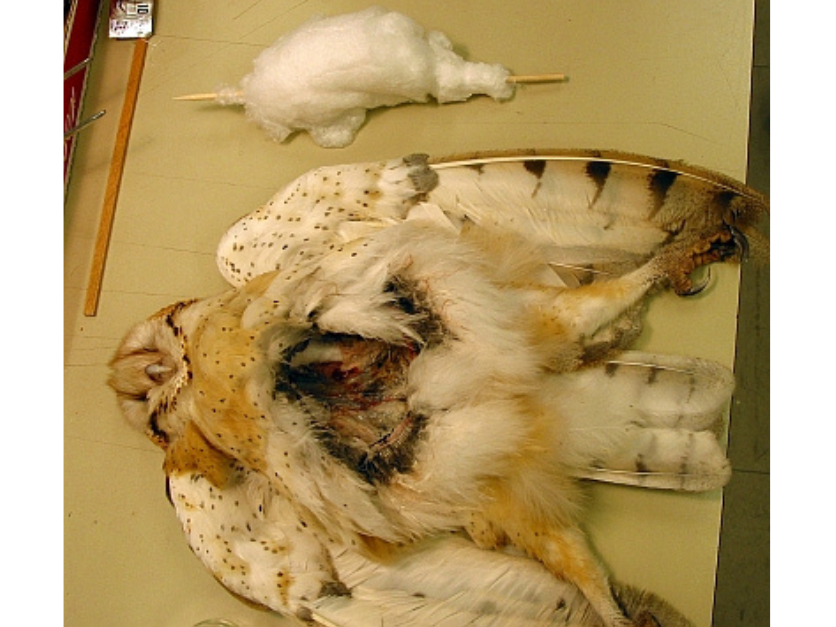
[(324, 76)]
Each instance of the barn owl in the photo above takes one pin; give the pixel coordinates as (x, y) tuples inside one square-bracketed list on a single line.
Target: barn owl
[(386, 418)]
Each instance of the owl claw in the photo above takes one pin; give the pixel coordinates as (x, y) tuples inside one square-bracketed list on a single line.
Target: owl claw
[(741, 243), (699, 287), (723, 246)]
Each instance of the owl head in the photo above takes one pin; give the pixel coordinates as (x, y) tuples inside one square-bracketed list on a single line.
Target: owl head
[(149, 373)]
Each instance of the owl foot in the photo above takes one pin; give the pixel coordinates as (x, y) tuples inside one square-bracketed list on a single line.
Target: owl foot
[(645, 609), (729, 244)]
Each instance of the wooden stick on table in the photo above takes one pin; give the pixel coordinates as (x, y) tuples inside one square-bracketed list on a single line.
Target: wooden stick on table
[(519, 78), (114, 180)]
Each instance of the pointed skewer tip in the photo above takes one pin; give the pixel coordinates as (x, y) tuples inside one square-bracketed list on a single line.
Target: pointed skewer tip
[(536, 78)]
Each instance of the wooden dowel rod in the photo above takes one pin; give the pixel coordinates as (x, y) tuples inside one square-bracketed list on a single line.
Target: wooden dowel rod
[(209, 96), (114, 180), (521, 78), (536, 78)]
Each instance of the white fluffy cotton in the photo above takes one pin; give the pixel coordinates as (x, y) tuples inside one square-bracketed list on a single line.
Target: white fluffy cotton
[(322, 77)]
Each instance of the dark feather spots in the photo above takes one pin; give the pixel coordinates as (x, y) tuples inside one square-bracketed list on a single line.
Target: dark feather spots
[(611, 368), (599, 172), (157, 434), (535, 166), (660, 183), (723, 201)]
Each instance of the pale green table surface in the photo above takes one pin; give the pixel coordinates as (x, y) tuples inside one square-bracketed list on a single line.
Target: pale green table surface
[(664, 78)]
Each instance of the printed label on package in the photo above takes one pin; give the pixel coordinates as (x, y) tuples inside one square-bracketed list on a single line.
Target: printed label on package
[(130, 20)]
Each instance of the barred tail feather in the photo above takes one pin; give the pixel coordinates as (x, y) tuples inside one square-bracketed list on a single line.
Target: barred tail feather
[(649, 420), (672, 459)]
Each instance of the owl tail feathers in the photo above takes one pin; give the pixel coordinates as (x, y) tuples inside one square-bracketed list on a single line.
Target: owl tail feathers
[(449, 581), (670, 460), (655, 421)]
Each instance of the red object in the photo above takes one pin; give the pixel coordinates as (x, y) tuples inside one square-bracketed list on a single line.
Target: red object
[(81, 18)]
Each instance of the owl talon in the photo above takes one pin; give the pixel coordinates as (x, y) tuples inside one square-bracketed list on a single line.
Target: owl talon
[(741, 243), (695, 289), (725, 245)]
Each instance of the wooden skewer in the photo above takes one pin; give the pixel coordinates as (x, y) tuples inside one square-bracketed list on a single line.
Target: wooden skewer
[(522, 78), (114, 180), (536, 78), (210, 96)]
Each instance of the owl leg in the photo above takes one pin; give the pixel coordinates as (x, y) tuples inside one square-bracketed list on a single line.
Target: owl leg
[(584, 324), (563, 550), (576, 316), (566, 553), (587, 309)]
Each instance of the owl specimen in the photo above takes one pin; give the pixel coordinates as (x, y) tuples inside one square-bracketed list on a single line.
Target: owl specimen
[(388, 417)]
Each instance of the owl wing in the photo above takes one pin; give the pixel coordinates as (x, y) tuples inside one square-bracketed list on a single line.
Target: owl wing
[(448, 581), (323, 210), (593, 214), (252, 539), (254, 543)]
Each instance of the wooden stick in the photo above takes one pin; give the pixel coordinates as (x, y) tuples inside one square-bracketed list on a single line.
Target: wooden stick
[(114, 180), (210, 96), (522, 78), (536, 78)]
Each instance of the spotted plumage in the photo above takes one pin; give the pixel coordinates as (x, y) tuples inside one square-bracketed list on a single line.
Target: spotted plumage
[(412, 349)]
